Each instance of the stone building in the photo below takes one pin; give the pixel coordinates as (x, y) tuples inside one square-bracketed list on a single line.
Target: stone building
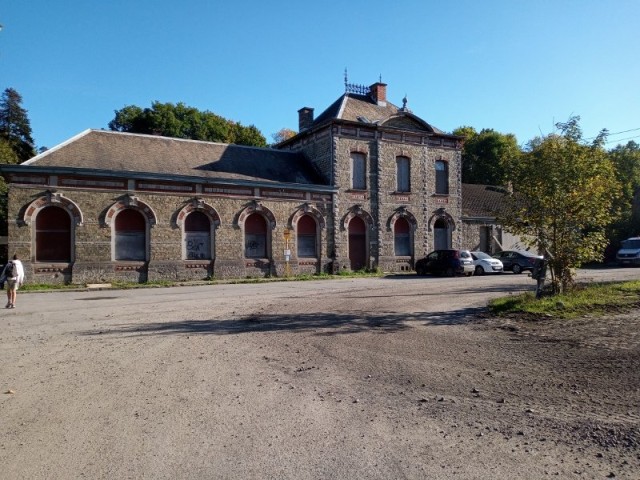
[(363, 185)]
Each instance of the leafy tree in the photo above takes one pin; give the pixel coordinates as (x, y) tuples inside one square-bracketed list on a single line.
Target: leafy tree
[(15, 128), (485, 153), (565, 190), (626, 160), (182, 121), (282, 135)]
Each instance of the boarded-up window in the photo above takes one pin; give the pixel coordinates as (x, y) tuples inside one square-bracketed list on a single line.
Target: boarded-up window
[(53, 235), (358, 171), (442, 177), (402, 238), (197, 237), (402, 173), (306, 230), (255, 236), (131, 236)]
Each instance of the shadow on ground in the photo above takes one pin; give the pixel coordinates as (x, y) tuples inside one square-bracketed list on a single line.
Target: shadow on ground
[(320, 323)]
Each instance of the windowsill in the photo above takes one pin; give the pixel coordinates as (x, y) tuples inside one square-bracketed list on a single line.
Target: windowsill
[(440, 195)]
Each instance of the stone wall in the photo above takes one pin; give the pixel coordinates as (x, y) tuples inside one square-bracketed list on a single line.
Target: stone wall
[(92, 251)]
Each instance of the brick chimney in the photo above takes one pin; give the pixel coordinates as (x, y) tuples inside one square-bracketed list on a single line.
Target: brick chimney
[(379, 93), (305, 118)]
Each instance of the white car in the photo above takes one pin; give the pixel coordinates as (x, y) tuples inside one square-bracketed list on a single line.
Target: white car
[(485, 263)]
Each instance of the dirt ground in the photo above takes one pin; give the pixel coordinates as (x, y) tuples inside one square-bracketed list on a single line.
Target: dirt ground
[(401, 378)]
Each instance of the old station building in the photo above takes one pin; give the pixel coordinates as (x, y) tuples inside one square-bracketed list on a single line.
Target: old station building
[(365, 184)]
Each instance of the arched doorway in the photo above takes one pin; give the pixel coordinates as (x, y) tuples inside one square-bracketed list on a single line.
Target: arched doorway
[(441, 235), (357, 243)]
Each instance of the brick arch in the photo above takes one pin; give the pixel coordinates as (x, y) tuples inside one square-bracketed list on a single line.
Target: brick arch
[(130, 201), (357, 211), (442, 214), (307, 209), (53, 199), (257, 207), (402, 212), (198, 205)]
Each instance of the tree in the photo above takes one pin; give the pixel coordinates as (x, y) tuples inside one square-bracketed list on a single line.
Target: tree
[(485, 154), (626, 161), (565, 190), (182, 121), (15, 128), (282, 135)]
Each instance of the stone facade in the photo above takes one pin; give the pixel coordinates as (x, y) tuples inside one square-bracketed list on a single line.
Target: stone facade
[(98, 175)]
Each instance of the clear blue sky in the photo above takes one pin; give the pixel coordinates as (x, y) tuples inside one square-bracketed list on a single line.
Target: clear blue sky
[(516, 66)]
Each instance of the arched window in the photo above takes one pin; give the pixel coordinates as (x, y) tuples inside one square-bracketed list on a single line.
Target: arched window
[(358, 171), (255, 236), (130, 235), (197, 237), (53, 235), (307, 237), (442, 177), (402, 174), (402, 238)]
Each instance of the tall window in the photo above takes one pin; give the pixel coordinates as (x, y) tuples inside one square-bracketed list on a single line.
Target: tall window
[(402, 174), (197, 237), (402, 237), (306, 230), (358, 171), (130, 236), (442, 177), (53, 235), (255, 236)]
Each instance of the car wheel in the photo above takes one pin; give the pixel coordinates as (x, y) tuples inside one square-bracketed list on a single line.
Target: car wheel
[(517, 268), (479, 270), (450, 272)]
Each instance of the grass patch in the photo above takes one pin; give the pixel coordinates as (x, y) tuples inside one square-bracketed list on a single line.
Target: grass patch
[(47, 286), (584, 299)]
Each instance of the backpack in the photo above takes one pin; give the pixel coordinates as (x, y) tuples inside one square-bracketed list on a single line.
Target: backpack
[(12, 270)]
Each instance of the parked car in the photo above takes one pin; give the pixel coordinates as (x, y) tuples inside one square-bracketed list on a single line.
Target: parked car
[(448, 262), (516, 261), (485, 263), (629, 253)]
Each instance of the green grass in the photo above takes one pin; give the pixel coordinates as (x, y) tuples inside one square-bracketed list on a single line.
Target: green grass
[(584, 299)]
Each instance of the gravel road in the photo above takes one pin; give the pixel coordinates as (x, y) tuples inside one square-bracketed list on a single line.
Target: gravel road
[(383, 378)]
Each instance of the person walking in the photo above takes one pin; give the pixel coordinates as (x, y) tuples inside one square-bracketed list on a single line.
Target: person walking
[(14, 273)]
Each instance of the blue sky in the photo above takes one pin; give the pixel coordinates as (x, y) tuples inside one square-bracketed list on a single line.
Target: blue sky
[(517, 66)]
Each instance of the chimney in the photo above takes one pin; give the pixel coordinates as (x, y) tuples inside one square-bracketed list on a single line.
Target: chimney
[(305, 118), (379, 93)]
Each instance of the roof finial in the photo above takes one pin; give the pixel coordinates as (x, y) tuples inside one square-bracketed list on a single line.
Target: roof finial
[(345, 78), (380, 78), (404, 102)]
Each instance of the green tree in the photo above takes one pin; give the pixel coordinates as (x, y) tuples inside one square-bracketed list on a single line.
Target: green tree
[(182, 121), (485, 155), (626, 160), (565, 191), (15, 128)]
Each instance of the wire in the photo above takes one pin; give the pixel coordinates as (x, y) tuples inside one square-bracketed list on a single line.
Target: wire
[(622, 139), (616, 133)]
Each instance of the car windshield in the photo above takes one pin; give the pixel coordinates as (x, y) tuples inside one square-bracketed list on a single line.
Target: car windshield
[(631, 244), (480, 255), (465, 254)]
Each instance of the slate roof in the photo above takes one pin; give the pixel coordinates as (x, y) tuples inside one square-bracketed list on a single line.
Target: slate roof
[(482, 200), (362, 108), (107, 150)]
